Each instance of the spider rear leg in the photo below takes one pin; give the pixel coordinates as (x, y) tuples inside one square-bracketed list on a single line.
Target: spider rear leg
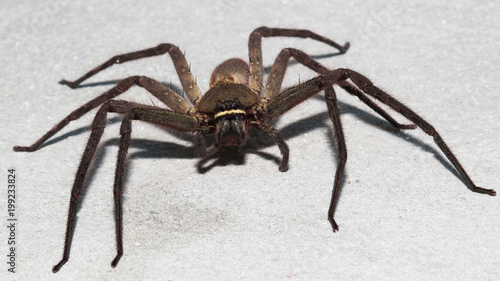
[(277, 73), (365, 85), (163, 93), (255, 49), (181, 66)]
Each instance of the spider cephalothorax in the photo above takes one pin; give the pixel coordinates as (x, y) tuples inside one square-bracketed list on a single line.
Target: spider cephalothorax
[(227, 102), (237, 99)]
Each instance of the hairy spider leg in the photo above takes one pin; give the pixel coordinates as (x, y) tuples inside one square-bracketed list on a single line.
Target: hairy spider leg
[(338, 134), (182, 68), (255, 49), (132, 111), (272, 89), (295, 95), (170, 98), (289, 98), (348, 87), (277, 73), (365, 85), (274, 103)]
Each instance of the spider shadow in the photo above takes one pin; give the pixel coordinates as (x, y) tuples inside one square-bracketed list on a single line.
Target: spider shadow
[(145, 148), (114, 82), (230, 156), (76, 132), (382, 124), (293, 62), (258, 141)]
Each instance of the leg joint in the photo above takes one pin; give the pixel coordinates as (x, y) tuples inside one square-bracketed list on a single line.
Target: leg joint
[(163, 48)]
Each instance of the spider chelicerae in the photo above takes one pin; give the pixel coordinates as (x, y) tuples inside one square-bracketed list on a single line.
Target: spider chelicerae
[(236, 101)]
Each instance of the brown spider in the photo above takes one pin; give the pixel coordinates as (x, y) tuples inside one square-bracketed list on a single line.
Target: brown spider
[(236, 101)]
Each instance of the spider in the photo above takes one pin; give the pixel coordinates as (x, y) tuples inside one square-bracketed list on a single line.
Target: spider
[(236, 101)]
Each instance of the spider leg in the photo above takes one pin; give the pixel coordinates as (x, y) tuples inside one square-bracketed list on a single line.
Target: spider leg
[(97, 131), (255, 49), (277, 73), (125, 131), (295, 95), (181, 66), (365, 85), (331, 102), (157, 116), (362, 96), (291, 97), (166, 95), (133, 111), (278, 138)]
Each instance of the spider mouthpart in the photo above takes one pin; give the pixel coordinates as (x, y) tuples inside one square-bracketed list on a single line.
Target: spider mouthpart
[(230, 126)]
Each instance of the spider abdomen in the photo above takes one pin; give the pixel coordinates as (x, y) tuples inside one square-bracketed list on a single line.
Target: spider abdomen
[(231, 71)]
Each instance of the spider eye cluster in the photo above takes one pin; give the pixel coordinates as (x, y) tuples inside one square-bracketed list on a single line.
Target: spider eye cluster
[(227, 97), (229, 109), (227, 105)]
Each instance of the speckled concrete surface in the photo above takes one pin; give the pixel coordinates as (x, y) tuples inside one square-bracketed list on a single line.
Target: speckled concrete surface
[(403, 214)]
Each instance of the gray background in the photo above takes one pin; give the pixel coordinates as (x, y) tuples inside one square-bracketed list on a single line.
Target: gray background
[(403, 212)]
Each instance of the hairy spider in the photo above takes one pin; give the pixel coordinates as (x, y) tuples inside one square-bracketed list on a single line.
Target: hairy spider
[(236, 101)]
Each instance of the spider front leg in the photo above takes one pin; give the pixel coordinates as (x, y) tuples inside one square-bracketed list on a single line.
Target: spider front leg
[(170, 98), (158, 116), (133, 111), (278, 138), (365, 85), (181, 66), (295, 95)]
